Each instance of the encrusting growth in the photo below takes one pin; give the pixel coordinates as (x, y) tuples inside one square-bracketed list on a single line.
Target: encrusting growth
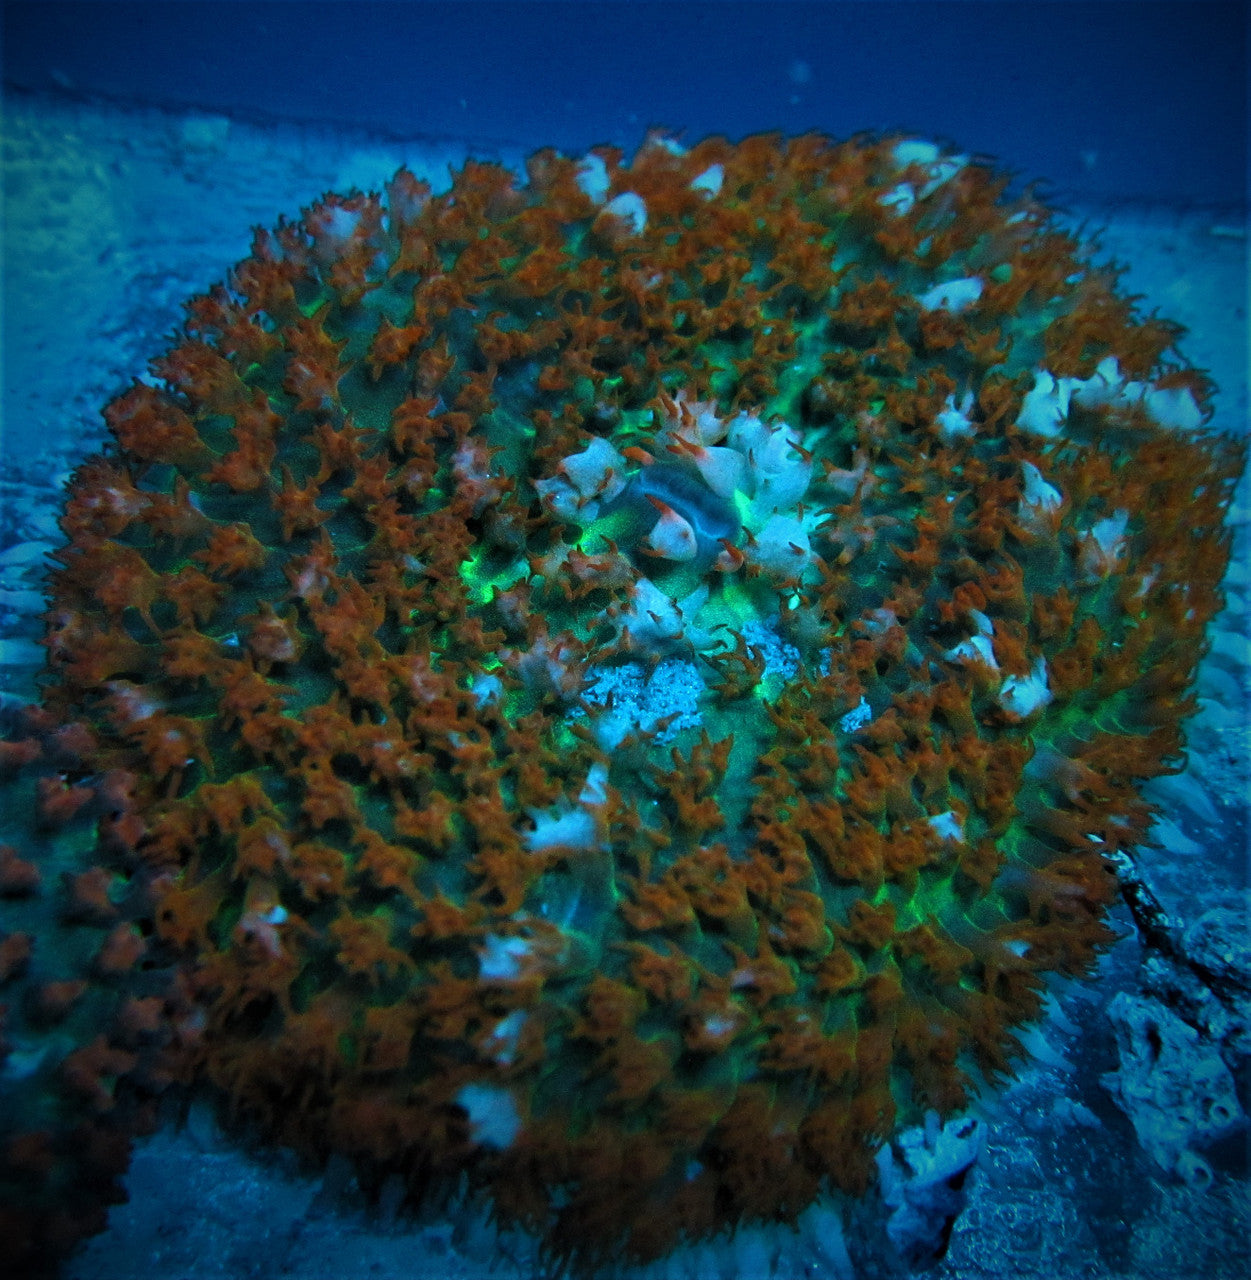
[(619, 686)]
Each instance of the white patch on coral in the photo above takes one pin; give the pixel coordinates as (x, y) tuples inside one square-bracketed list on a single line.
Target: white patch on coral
[(597, 470), (631, 209), (487, 690), (781, 547), (954, 423), (500, 958), (947, 826), (1038, 501), (493, 1118), (717, 1026), (573, 830), (506, 1036), (938, 167), (899, 198), (1104, 546), (582, 482), (1046, 405), (691, 422), (1023, 695), (1038, 493), (1104, 386), (550, 665), (333, 228), (1174, 408), (855, 720), (132, 704), (475, 479), (662, 142), (592, 178), (595, 788), (709, 182), (569, 826), (778, 473), (657, 622), (652, 618), (612, 728), (974, 649), (954, 296), (723, 470), (977, 648)]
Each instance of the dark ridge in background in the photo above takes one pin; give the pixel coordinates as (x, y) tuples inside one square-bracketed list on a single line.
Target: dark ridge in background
[(1112, 100)]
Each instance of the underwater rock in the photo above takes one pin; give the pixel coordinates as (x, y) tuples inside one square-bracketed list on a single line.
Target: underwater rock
[(1174, 1086)]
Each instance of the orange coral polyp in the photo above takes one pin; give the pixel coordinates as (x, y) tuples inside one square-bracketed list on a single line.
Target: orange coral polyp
[(627, 673)]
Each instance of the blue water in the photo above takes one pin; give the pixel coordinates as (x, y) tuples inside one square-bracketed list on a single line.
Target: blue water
[(1107, 100)]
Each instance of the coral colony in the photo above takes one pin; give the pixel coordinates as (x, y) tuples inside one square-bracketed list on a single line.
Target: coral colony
[(612, 689)]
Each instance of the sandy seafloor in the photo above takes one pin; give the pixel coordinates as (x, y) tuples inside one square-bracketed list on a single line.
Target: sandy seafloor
[(113, 217)]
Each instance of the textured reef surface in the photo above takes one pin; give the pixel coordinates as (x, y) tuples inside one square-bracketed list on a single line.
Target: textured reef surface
[(611, 689)]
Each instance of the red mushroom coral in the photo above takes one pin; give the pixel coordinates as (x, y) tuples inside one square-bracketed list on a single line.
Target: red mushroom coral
[(628, 680)]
